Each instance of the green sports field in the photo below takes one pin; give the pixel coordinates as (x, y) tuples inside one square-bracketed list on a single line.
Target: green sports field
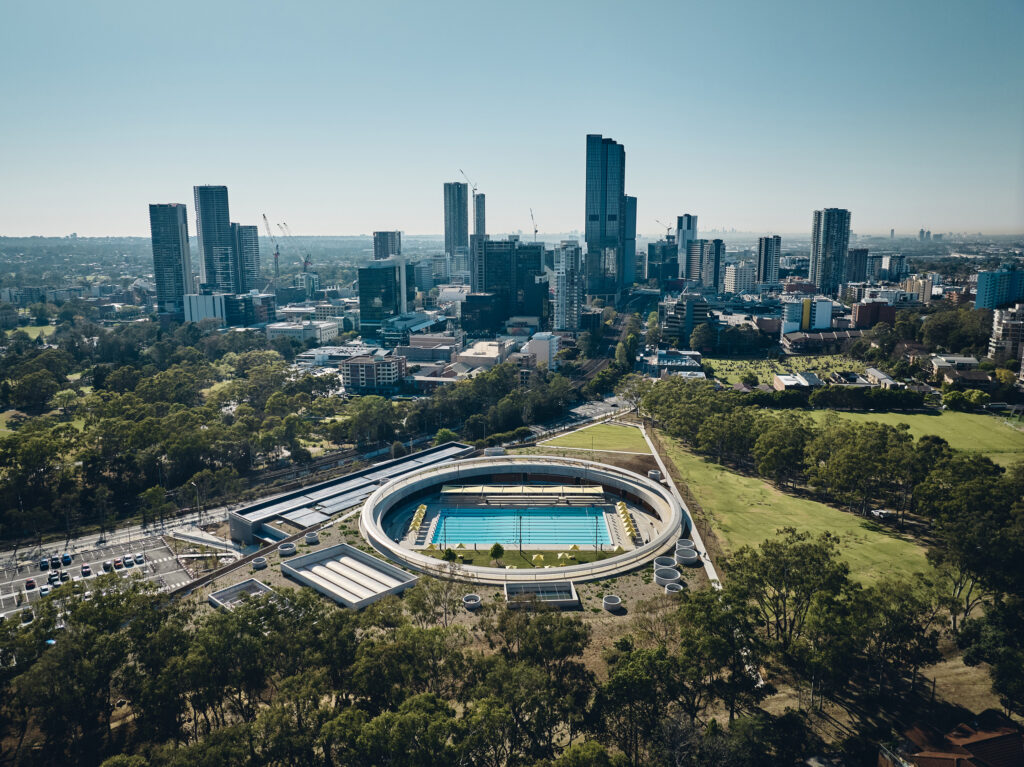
[(603, 437), (973, 432), (746, 510)]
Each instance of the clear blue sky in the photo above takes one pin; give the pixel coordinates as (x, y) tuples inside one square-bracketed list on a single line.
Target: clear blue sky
[(342, 118)]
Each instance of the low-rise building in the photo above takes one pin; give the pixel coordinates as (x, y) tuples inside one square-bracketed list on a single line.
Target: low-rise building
[(659, 363), (867, 314), (877, 378), (372, 374), (311, 330), (740, 278), (487, 354), (544, 346), (943, 363), (804, 380)]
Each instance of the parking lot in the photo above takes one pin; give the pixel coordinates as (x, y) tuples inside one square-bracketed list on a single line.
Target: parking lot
[(159, 565)]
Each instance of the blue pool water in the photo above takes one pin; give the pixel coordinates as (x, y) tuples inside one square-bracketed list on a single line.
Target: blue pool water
[(560, 526)]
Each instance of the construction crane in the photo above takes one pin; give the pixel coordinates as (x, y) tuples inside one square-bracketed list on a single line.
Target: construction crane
[(534, 221), (277, 250), (668, 229), (307, 260), (471, 184)]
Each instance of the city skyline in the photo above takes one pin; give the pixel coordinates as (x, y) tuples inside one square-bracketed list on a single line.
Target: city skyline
[(925, 130)]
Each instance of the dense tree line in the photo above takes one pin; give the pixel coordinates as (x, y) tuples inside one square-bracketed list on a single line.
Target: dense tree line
[(135, 419), (974, 507)]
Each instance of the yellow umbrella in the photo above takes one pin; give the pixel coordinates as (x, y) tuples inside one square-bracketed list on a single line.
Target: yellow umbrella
[(538, 556), (432, 547), (461, 546), (562, 555), (574, 547)]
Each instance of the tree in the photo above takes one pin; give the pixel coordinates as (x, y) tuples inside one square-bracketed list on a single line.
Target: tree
[(703, 337), (633, 388), (445, 435), (497, 552), (784, 575), (750, 379)]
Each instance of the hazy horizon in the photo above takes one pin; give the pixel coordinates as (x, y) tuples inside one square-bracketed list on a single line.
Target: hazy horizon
[(343, 119)]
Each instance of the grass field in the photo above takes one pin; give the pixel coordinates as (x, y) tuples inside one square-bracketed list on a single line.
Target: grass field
[(35, 330), (603, 437), (746, 511), (821, 365), (986, 434), (525, 560)]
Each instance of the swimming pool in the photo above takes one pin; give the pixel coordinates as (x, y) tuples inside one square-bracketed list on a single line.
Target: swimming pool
[(554, 525)]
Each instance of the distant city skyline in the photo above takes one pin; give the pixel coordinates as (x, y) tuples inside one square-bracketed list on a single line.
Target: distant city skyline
[(924, 128)]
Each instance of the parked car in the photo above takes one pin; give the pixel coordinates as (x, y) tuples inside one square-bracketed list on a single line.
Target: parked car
[(86, 570), (44, 591), (54, 562), (108, 566), (128, 561), (118, 564), (26, 616), (53, 577), (139, 559), (30, 583), (44, 564), (66, 559), (65, 575)]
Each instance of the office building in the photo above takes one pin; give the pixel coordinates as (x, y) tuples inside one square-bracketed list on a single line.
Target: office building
[(372, 374), (892, 234), (479, 314), (318, 331), (740, 278), (629, 244), (172, 257), (769, 250), (569, 286), (806, 314), (679, 316), (605, 217), (479, 214), (686, 232), (245, 243), (230, 309), (456, 218), (386, 288), (712, 272), (856, 265), (830, 239), (1007, 333), (217, 265), (999, 288), (513, 271), (386, 245), (662, 263)]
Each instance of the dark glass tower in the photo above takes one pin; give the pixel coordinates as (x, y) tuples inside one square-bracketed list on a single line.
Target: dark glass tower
[(768, 251), (386, 288), (246, 268), (216, 243), (456, 218), (830, 240), (172, 258), (606, 209)]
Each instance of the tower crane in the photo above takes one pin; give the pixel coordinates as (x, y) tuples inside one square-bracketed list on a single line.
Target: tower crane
[(307, 260), (277, 250), (471, 184), (668, 229), (534, 222)]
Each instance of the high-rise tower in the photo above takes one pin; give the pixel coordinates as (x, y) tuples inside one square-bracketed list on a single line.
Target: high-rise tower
[(456, 218), (769, 249), (172, 258), (386, 244), (569, 287), (246, 268), (606, 217), (216, 246), (830, 239), (686, 232), (479, 214)]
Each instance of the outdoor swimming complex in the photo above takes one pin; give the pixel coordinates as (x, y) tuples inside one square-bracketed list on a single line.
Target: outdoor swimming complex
[(557, 514)]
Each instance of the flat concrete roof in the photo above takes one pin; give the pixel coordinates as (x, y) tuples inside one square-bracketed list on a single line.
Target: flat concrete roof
[(347, 575)]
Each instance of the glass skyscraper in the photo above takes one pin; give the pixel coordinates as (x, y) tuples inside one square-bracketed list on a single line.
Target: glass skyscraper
[(456, 218), (386, 289), (216, 243), (768, 251), (606, 226), (569, 287), (246, 268), (830, 240), (172, 258)]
